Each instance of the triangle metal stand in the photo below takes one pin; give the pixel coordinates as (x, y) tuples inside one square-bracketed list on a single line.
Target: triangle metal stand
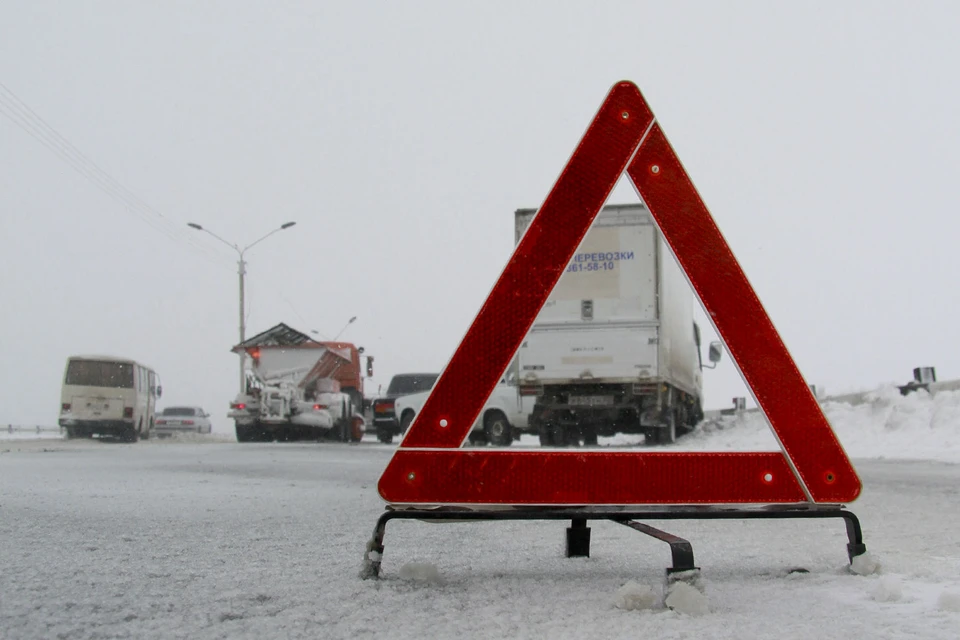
[(578, 534)]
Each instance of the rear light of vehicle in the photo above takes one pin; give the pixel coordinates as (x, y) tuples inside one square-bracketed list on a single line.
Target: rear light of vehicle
[(161, 421), (317, 407), (188, 422), (237, 405), (65, 406), (382, 407), (128, 412), (530, 390)]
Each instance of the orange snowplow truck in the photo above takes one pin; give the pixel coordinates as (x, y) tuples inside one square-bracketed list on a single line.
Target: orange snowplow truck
[(298, 387)]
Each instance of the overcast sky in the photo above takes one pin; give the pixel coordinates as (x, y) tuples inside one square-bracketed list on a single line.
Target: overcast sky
[(401, 137)]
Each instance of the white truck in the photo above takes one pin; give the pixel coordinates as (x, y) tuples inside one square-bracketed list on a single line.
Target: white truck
[(503, 419), (615, 349), (292, 393)]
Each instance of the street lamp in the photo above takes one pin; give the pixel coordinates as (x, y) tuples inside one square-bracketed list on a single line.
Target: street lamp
[(349, 322), (242, 270)]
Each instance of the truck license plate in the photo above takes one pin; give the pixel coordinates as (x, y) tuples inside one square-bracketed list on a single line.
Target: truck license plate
[(592, 401)]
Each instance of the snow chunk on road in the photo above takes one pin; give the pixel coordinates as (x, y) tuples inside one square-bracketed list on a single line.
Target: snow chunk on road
[(864, 565), (949, 601), (683, 598), (420, 572), (887, 590), (633, 596)]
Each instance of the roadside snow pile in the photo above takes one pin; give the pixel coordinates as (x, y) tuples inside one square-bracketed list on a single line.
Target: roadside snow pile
[(634, 596), (887, 590), (681, 597), (949, 601), (685, 599), (420, 572), (25, 433), (865, 565), (919, 426)]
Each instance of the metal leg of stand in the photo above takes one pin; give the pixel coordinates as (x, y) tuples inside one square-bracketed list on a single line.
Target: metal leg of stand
[(373, 556), (578, 534), (680, 549), (578, 539), (855, 545)]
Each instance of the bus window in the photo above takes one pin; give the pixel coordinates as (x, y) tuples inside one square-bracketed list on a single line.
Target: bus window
[(94, 373)]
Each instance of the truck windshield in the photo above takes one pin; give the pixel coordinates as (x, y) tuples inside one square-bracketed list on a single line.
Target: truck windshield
[(404, 385), (97, 373)]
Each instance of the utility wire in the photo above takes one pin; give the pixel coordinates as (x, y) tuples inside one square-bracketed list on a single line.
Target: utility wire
[(28, 120), (21, 115)]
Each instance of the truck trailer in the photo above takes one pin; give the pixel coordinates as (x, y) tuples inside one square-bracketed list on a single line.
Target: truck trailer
[(615, 348)]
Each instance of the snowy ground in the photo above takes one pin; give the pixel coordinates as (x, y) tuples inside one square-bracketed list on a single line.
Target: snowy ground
[(206, 538)]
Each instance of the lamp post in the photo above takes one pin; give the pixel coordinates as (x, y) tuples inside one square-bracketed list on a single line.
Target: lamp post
[(349, 322), (241, 271)]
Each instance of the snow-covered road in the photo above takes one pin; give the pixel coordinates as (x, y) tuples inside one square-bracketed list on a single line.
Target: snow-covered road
[(220, 540)]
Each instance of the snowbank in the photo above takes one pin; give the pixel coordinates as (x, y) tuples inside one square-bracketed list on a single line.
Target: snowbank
[(886, 425), (919, 426)]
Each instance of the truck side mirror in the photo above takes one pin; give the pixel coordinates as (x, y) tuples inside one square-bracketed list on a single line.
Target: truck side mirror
[(159, 391), (369, 366), (716, 351)]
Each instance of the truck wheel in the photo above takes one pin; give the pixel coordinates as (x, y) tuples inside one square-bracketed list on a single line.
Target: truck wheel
[(343, 424), (356, 429), (668, 433), (477, 437), (590, 437), (545, 431), (498, 429), (684, 424), (564, 436), (694, 417)]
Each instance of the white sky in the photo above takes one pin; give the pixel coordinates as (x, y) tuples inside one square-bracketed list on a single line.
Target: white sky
[(402, 136)]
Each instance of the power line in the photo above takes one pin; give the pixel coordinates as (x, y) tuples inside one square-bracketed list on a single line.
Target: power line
[(28, 120), (21, 115)]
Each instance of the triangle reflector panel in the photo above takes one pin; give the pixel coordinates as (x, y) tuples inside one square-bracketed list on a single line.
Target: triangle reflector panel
[(429, 466)]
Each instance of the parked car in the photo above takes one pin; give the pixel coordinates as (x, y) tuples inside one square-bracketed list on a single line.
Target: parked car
[(182, 420), (385, 420), (502, 420)]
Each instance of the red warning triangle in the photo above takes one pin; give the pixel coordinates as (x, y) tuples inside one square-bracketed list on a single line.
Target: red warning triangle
[(429, 467)]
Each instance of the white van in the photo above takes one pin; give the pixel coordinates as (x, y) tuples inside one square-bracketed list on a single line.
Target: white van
[(111, 396)]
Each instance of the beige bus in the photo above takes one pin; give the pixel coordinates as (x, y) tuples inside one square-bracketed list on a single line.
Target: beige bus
[(108, 396)]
